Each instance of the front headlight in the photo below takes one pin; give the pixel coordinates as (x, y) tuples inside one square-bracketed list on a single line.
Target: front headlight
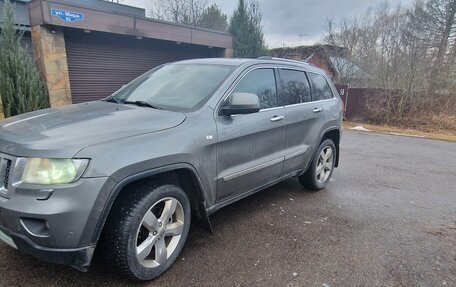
[(53, 170)]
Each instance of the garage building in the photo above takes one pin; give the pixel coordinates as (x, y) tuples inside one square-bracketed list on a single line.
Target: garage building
[(88, 49)]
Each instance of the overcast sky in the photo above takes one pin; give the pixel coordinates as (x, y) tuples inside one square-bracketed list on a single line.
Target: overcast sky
[(285, 20)]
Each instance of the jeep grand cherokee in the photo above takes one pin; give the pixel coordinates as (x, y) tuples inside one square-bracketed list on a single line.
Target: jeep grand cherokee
[(126, 174)]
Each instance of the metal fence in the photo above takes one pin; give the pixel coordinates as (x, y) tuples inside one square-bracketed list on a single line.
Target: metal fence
[(354, 100)]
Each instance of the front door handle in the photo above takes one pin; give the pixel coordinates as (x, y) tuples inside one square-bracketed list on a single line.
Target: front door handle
[(277, 118), (317, 110)]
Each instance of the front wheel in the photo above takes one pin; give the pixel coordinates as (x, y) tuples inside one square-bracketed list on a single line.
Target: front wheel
[(321, 168), (147, 231)]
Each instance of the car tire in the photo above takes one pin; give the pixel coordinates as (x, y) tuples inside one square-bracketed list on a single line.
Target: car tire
[(321, 168), (146, 231)]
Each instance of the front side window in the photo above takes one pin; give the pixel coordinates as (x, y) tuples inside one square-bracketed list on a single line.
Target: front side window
[(296, 88), (262, 83), (176, 87), (320, 87)]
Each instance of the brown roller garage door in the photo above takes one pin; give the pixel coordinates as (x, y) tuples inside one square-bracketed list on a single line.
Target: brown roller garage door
[(100, 63)]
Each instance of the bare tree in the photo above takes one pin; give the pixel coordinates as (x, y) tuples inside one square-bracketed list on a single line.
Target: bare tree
[(437, 21), (156, 9), (178, 11), (195, 9), (409, 53)]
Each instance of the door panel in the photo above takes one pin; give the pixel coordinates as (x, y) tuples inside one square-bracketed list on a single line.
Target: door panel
[(250, 147), (304, 120), (302, 131), (249, 151)]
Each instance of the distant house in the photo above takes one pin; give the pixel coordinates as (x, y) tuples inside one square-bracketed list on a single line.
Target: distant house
[(318, 55), (332, 59)]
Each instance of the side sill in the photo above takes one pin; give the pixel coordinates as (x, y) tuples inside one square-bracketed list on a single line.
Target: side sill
[(217, 206)]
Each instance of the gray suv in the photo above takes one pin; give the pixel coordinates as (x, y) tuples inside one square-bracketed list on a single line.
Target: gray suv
[(128, 173)]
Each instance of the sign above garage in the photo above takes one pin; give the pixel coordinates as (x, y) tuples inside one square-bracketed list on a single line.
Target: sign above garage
[(101, 19), (67, 16)]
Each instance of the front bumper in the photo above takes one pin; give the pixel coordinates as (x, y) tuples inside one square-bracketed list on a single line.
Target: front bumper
[(78, 258), (57, 228), (7, 239)]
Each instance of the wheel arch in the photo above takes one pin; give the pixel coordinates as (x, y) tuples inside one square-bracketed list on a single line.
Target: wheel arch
[(334, 135), (182, 174)]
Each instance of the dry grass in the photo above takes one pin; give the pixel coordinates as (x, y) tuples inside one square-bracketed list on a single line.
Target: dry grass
[(430, 130), (440, 124)]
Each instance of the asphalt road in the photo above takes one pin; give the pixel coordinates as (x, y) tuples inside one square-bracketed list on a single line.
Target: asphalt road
[(388, 218)]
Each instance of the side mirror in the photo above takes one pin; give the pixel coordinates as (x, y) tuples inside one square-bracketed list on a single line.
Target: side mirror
[(241, 103)]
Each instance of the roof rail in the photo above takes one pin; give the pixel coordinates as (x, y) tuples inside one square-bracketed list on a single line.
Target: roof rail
[(283, 60)]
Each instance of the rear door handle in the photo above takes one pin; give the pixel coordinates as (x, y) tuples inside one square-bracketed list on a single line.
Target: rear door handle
[(277, 118), (317, 110)]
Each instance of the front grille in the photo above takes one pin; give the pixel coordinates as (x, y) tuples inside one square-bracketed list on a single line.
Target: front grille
[(6, 173), (5, 169)]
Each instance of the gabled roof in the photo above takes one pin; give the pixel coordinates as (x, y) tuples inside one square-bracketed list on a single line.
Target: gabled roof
[(348, 68), (304, 53)]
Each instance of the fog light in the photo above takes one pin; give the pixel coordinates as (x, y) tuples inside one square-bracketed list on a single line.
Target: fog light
[(36, 227)]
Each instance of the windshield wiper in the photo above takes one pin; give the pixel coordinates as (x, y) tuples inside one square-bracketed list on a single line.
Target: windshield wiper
[(141, 104)]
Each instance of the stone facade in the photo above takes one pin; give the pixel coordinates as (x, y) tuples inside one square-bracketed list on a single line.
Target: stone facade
[(51, 60), (229, 53)]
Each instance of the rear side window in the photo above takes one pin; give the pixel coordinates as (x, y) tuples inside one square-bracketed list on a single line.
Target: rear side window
[(320, 87), (296, 88), (262, 83)]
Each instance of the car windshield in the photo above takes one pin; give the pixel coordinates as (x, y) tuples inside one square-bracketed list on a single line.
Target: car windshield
[(175, 87)]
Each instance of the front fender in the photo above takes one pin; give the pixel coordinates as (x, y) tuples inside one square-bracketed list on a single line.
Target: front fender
[(112, 189)]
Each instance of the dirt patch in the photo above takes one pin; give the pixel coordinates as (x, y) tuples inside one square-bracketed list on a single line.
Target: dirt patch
[(447, 232)]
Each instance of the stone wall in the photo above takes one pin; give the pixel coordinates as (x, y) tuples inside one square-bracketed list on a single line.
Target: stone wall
[(229, 53), (51, 60)]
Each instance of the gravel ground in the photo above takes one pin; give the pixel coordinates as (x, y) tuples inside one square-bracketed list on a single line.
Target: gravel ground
[(388, 218)]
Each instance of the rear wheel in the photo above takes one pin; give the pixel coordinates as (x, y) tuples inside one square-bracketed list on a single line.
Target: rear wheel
[(145, 234), (321, 168)]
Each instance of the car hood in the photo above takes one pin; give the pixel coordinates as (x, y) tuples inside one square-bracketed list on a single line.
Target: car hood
[(62, 132)]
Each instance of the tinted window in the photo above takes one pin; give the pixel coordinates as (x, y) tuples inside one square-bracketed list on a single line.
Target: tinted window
[(320, 87), (262, 83), (178, 87), (296, 88)]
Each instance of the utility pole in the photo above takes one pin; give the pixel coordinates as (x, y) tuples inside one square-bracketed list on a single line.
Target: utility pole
[(300, 38)]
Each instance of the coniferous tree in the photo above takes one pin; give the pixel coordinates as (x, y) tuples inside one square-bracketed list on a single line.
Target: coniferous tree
[(213, 18), (247, 31), (21, 87)]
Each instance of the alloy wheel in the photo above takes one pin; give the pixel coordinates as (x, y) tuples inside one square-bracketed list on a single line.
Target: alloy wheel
[(159, 232), (325, 164)]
